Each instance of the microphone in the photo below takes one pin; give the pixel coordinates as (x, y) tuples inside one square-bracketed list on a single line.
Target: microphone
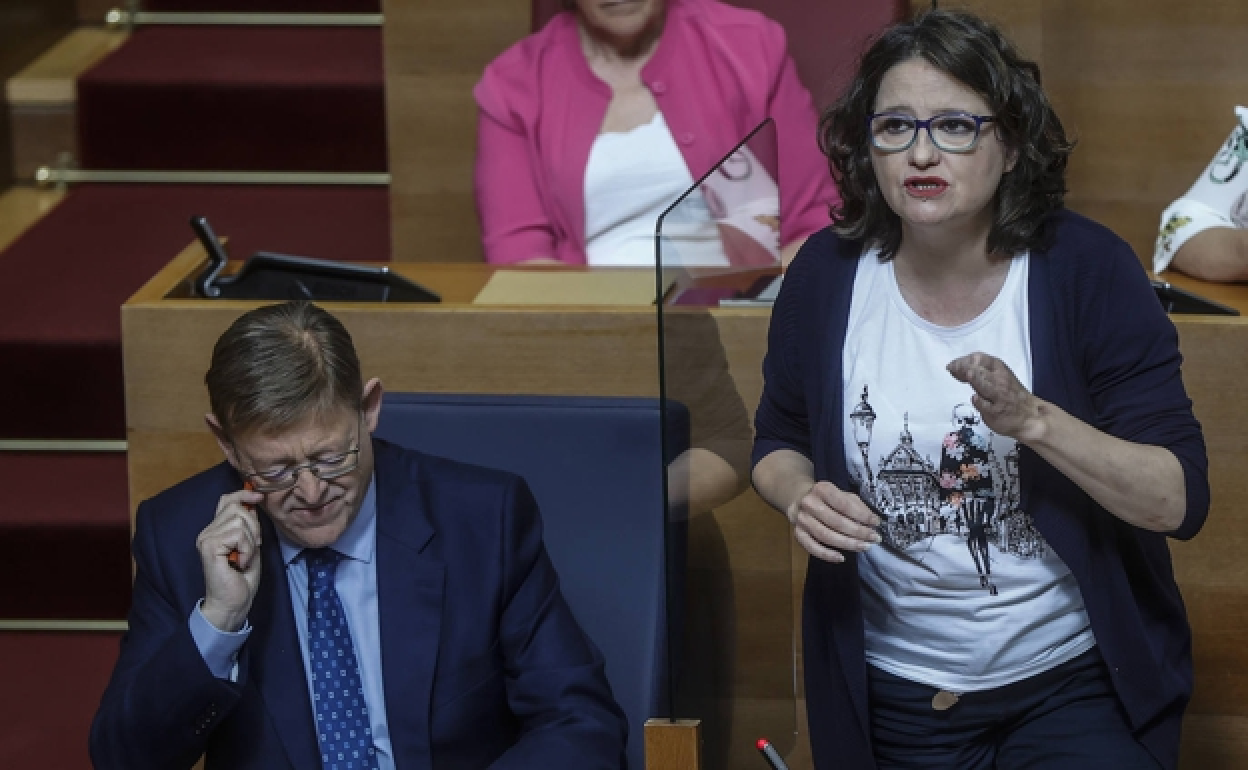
[(771, 755)]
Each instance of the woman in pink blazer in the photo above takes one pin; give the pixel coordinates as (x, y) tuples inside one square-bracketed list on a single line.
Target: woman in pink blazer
[(562, 113)]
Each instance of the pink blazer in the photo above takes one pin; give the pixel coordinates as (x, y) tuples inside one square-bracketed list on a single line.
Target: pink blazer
[(718, 72)]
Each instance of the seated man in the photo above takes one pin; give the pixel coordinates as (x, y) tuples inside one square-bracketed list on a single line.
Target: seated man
[(366, 606), (1205, 233)]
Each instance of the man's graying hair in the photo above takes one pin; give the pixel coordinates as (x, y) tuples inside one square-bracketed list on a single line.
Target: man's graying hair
[(280, 364)]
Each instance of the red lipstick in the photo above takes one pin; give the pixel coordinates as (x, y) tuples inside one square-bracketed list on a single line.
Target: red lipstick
[(926, 187)]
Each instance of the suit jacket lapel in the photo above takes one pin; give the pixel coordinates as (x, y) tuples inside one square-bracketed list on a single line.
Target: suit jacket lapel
[(277, 660), (410, 584)]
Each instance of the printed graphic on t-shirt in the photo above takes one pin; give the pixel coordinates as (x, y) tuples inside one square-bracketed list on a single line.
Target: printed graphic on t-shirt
[(1230, 159), (972, 494), (1239, 211), (1172, 226), (1218, 198)]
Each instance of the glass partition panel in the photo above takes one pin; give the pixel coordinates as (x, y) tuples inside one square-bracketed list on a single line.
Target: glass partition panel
[(731, 583)]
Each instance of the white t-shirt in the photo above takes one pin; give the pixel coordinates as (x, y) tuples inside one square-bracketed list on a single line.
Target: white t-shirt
[(1218, 199), (631, 178), (964, 593)]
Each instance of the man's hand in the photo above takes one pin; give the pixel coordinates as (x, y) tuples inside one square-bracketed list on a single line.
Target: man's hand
[(229, 591), (1006, 407), (829, 522)]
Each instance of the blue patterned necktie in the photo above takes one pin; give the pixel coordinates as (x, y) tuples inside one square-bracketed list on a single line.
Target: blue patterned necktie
[(341, 715)]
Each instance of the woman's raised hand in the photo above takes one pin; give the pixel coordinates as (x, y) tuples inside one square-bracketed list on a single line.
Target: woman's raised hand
[(1005, 406)]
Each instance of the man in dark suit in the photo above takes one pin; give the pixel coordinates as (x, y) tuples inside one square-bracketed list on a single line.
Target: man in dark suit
[(364, 607)]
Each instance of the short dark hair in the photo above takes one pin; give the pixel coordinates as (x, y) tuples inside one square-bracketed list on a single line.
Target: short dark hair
[(977, 54), (279, 364)]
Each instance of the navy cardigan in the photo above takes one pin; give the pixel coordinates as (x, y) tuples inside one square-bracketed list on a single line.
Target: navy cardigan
[(1104, 351)]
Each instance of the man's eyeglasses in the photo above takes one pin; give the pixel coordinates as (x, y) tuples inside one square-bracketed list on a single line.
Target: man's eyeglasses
[(953, 132), (325, 469)]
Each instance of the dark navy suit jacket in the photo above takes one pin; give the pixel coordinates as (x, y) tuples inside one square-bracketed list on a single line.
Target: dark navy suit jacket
[(483, 662), (1105, 352)]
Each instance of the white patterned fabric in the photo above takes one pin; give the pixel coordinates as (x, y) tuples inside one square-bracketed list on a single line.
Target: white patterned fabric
[(1219, 198), (630, 179), (963, 594)]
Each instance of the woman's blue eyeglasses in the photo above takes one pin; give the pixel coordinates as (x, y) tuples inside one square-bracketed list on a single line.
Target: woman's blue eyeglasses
[(952, 132)]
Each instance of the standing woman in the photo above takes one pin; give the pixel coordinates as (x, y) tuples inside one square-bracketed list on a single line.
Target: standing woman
[(974, 418), (591, 127)]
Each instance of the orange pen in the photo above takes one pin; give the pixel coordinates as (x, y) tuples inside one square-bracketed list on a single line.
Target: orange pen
[(233, 556)]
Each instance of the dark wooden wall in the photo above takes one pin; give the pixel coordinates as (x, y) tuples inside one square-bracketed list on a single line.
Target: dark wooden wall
[(436, 51), (27, 28), (1146, 86)]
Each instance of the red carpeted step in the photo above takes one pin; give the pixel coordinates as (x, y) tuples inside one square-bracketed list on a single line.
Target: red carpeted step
[(65, 525), (266, 6), (237, 99), (65, 279), (52, 688)]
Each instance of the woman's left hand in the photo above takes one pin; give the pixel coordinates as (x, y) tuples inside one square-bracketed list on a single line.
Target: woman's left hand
[(1139, 483), (1006, 407)]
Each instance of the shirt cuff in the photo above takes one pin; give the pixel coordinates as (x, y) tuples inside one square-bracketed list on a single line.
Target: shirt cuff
[(1183, 219), (218, 648)]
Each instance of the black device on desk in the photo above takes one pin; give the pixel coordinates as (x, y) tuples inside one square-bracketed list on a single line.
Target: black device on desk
[(1176, 300), (283, 277)]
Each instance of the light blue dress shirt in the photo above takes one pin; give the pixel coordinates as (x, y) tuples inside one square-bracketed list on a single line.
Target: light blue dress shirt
[(356, 584)]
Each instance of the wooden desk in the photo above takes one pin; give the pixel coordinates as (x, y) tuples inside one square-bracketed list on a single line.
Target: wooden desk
[(1211, 569), (741, 556)]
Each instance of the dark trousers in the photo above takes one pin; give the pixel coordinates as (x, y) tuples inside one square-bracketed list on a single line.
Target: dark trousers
[(1068, 717)]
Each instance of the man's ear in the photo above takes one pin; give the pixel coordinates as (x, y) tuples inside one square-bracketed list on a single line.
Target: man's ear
[(371, 404), (218, 433)]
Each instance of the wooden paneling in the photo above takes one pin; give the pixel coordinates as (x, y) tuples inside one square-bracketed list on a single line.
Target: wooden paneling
[(1211, 569), (43, 96), (673, 744), (1147, 88), (1213, 742), (95, 11), (21, 207), (40, 136), (1021, 20), (27, 27), (435, 53), (51, 79), (433, 130)]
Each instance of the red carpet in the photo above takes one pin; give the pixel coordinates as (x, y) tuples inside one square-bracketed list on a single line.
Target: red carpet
[(65, 525), (262, 99), (237, 99), (52, 687), (66, 278), (268, 6)]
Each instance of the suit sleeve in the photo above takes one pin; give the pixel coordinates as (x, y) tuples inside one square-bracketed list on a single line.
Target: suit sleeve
[(514, 222), (807, 191), (556, 680), (782, 419), (163, 702), (1132, 363)]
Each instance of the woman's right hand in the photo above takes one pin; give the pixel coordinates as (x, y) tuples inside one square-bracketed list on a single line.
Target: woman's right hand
[(829, 522)]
